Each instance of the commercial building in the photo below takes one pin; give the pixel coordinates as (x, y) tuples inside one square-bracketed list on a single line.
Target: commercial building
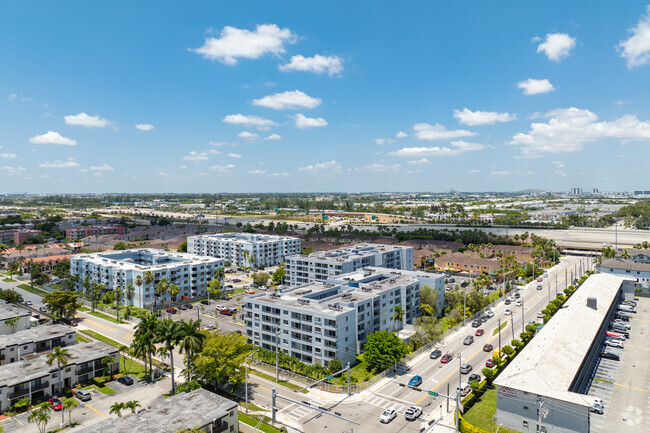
[(640, 271), (81, 232), (459, 262), (321, 321), (199, 408), (551, 375), (36, 380), (640, 256), (34, 340), (323, 265), (13, 318), (191, 273), (263, 250), (16, 236)]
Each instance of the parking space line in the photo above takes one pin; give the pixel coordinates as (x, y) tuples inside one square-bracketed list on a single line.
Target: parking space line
[(631, 387), (90, 407), (638, 347)]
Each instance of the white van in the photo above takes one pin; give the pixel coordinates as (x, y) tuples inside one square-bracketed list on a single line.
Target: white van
[(628, 308), (464, 389)]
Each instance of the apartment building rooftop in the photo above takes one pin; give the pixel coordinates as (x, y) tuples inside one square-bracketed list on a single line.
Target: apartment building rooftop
[(626, 265), (355, 251), (143, 259), (39, 333), (253, 238), (22, 371), (9, 311), (184, 410)]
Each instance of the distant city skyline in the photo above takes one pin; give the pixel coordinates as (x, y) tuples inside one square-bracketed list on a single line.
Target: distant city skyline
[(324, 96)]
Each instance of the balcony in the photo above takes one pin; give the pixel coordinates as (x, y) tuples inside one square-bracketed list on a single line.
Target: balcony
[(19, 393), (42, 385), (84, 370)]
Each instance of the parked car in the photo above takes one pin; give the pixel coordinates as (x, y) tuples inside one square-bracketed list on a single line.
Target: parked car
[(172, 310), (435, 354), (630, 303), (250, 291), (517, 295), (205, 302), (56, 404), (219, 307), (42, 309), (183, 307), (489, 363), (452, 280), (615, 343), (125, 380), (484, 318), (519, 303), (474, 377), (545, 275), (488, 348), (236, 280), (465, 368), (508, 312), (479, 332), (415, 381), (446, 358), (189, 306), (226, 311), (468, 340), (508, 301), (623, 323), (489, 313), (388, 415), (539, 287), (83, 395), (28, 302), (610, 355), (476, 323), (464, 284), (596, 408), (464, 389), (254, 286), (412, 413), (540, 315), (539, 279)]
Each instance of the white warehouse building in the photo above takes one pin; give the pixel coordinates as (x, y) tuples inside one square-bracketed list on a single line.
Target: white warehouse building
[(323, 265), (321, 321), (267, 250), (191, 273)]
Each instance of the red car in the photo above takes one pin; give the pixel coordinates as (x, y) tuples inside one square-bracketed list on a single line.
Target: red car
[(226, 311), (56, 404), (172, 310), (479, 332), (539, 279), (489, 363), (446, 358)]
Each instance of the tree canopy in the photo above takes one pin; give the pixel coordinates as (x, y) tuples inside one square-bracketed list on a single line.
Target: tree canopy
[(384, 349), (62, 304)]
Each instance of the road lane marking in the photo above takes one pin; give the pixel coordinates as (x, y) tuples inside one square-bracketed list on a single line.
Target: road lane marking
[(638, 347), (631, 387), (100, 325), (90, 407)]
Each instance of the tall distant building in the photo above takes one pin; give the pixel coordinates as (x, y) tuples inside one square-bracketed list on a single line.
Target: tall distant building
[(595, 191), (576, 191)]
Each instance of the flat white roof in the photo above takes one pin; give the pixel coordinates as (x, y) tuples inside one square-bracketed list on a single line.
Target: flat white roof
[(549, 363)]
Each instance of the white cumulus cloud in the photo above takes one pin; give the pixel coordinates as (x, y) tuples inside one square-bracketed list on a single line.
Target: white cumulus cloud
[(257, 172), (318, 64), (196, 156), (476, 118), (83, 119), (289, 100), (103, 167), (59, 164), (568, 129), (425, 131), (401, 134), (222, 169), (52, 137), (636, 49), (8, 156), (557, 46), (252, 121), (222, 143), (457, 148), (382, 141), (329, 166), (234, 155), (376, 167), (303, 122), (247, 135), (418, 162), (532, 86), (237, 43), (144, 126), (273, 137), (499, 173)]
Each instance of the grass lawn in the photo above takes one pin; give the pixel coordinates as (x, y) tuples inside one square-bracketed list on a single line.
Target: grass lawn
[(135, 369), (84, 309), (80, 339), (494, 295), (57, 286), (34, 290), (503, 325), (100, 337), (254, 420), (358, 371), (9, 280), (103, 389), (481, 414), (105, 316), (284, 383), (238, 291)]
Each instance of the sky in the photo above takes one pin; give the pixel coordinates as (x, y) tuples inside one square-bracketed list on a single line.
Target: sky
[(323, 96)]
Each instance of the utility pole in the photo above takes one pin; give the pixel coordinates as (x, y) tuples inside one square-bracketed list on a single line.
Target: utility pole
[(277, 354), (522, 315), (273, 393), (447, 399), (460, 364), (512, 325), (499, 337), (549, 293), (349, 393), (556, 285), (616, 225), (464, 305), (566, 278)]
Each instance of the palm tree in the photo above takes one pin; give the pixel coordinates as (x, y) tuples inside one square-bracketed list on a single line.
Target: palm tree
[(253, 260), (146, 328), (117, 408), (625, 254), (107, 361), (40, 415), (95, 291), (191, 339), (13, 322), (133, 405), (130, 292), (148, 279), (245, 254), (162, 287), (139, 282), (398, 316), (173, 291), (86, 284), (220, 274), (169, 336), (61, 357), (70, 403), (119, 292), (140, 347), (125, 350)]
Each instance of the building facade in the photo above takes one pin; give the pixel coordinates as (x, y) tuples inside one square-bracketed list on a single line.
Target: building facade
[(459, 262), (640, 271), (262, 250), (16, 236), (35, 340), (37, 381), (321, 321), (81, 232), (200, 408), (323, 265), (191, 273), (13, 318)]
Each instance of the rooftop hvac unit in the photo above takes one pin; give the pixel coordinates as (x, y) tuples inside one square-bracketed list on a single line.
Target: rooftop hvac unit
[(303, 301), (366, 289)]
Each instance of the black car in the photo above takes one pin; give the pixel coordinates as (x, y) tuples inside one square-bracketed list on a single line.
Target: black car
[(517, 295), (474, 377), (609, 355), (452, 280), (508, 302), (183, 307), (205, 302), (623, 318), (464, 284), (435, 354), (190, 306), (476, 323), (125, 380), (484, 319)]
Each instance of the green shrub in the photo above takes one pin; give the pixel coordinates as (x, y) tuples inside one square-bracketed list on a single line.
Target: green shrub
[(100, 380), (22, 404), (68, 392)]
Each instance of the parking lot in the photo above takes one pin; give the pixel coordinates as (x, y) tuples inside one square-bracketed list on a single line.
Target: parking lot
[(624, 386)]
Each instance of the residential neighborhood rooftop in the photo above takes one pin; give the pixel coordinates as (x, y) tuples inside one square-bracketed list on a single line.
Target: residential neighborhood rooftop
[(38, 333), (9, 311)]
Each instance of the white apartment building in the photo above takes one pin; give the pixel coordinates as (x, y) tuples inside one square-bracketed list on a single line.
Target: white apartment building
[(191, 273), (640, 270), (35, 340), (323, 265), (37, 381), (267, 250), (321, 321), (9, 313)]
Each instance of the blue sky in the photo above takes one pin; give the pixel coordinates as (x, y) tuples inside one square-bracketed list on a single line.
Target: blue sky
[(323, 96)]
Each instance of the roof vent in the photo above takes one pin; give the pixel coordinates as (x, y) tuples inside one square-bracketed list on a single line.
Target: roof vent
[(592, 303)]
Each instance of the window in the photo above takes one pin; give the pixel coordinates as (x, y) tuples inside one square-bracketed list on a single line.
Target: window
[(525, 407), (525, 423)]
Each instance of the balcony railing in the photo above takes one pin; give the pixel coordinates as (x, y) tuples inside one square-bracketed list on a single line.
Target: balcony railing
[(18, 393), (42, 385)]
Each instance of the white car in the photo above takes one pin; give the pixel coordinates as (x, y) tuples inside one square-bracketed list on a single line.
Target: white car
[(28, 302), (626, 325), (388, 415), (598, 401), (596, 408), (490, 313), (219, 307), (508, 312), (412, 413), (540, 315), (615, 343), (519, 303)]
